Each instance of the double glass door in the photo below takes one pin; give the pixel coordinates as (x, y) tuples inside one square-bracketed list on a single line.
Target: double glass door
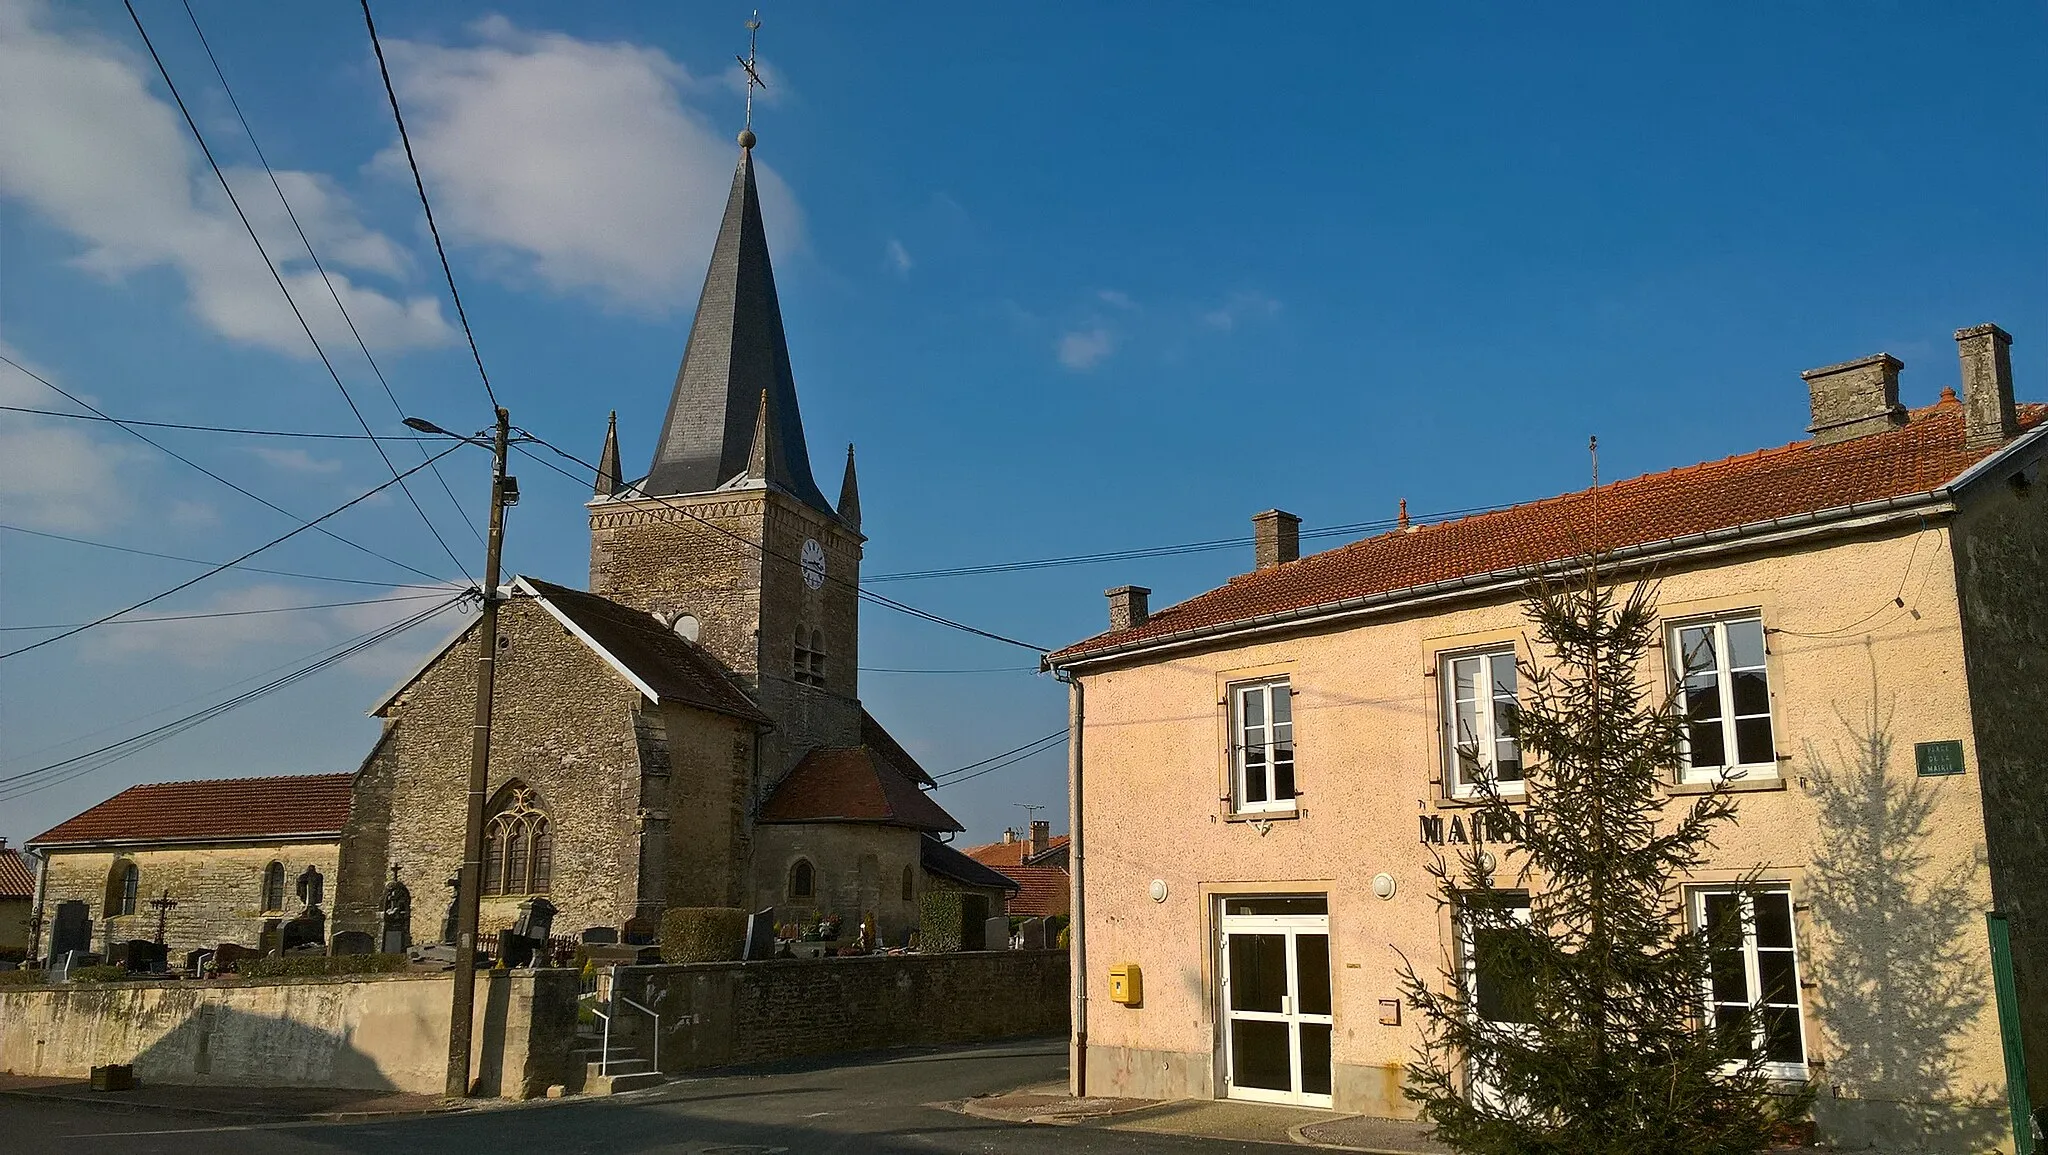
[(1276, 997)]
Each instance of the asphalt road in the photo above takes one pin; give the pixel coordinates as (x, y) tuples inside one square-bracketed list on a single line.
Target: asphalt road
[(871, 1104)]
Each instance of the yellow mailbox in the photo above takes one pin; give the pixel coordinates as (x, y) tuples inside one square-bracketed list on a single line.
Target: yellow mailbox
[(1126, 984)]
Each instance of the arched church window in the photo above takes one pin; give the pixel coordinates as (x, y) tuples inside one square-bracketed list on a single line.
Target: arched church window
[(817, 658), (809, 664), (803, 880), (273, 886), (909, 884), (123, 881), (518, 844)]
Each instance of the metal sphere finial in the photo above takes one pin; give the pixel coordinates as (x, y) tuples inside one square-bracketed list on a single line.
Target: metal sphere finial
[(746, 138)]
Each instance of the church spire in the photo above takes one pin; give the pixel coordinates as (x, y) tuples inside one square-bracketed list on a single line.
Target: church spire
[(849, 493), (608, 461), (737, 355), (762, 452)]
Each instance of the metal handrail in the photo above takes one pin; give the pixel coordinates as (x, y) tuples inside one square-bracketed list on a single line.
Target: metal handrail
[(613, 999)]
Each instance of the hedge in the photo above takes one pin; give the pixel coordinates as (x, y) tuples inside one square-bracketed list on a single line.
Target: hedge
[(692, 934), (292, 966)]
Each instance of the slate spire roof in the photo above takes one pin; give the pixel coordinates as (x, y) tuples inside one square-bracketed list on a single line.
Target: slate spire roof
[(737, 356), (608, 462)]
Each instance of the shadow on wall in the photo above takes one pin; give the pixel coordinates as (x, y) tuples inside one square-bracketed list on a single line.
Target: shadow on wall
[(221, 1044), (1902, 977)]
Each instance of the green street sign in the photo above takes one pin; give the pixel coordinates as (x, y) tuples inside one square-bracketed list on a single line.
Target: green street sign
[(1935, 759)]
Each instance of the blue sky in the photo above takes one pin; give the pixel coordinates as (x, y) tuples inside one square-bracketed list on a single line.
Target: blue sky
[(1073, 278)]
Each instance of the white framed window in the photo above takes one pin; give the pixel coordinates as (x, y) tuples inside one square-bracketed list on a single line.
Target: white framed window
[(1755, 963), (1724, 692), (1478, 722), (1262, 746)]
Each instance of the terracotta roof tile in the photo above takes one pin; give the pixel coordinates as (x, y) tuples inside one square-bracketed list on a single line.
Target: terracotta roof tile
[(1003, 855), (1802, 478), (1041, 890), (16, 881), (215, 810), (853, 784)]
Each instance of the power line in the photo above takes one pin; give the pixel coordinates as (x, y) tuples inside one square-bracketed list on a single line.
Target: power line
[(1005, 754), (278, 277), (19, 785), (234, 613), (126, 427), (972, 670), (864, 595), (398, 479), (322, 270), (318, 577), (425, 206), (1049, 742), (216, 428)]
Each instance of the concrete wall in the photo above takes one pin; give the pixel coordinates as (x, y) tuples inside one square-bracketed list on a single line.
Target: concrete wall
[(722, 1014), (2001, 559), (218, 888), (1884, 865), (385, 1032)]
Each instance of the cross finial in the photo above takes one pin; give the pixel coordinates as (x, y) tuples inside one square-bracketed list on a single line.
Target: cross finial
[(753, 77)]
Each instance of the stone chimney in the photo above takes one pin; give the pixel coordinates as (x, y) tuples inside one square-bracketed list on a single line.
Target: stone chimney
[(1276, 538), (1856, 398), (1041, 836), (1128, 606), (1988, 413), (1009, 836)]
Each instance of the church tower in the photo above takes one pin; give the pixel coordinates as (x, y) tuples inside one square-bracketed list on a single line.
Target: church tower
[(728, 536)]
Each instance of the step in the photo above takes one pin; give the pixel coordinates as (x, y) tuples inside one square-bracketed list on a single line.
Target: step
[(614, 1052), (616, 1083), (618, 1067)]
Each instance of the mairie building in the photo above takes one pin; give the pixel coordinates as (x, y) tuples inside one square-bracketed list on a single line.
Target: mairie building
[(1856, 628)]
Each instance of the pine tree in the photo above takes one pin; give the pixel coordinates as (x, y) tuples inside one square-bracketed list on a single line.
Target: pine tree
[(1574, 1025)]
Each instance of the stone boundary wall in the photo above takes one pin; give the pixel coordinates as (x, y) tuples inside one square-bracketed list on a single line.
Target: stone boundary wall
[(724, 1014), (378, 1032)]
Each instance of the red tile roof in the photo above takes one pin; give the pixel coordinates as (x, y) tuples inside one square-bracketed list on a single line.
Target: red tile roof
[(1041, 890), (216, 810), (1003, 855), (1802, 478), (16, 881), (853, 784)]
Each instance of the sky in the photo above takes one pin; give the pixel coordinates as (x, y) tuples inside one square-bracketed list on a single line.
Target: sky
[(1072, 278)]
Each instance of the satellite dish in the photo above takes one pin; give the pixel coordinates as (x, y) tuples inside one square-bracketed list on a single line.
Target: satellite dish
[(685, 626)]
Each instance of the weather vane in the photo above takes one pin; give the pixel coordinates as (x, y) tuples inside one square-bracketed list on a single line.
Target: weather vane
[(753, 77)]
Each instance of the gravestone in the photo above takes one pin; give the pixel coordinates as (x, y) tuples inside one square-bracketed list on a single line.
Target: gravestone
[(72, 929), (353, 942), (514, 949), (397, 926), (639, 931), (599, 936), (312, 888), (448, 920), (308, 928), (62, 965), (1031, 936), (229, 953), (536, 920), (138, 956), (760, 935), (995, 933)]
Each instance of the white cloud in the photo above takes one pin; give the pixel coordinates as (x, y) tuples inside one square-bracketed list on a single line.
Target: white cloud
[(89, 146), (1240, 307), (295, 460), (1082, 349), (56, 474), (1117, 297), (577, 163), (896, 257)]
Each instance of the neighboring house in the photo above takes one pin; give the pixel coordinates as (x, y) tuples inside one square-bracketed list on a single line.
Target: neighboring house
[(17, 900), (240, 857), (1853, 625), (1037, 864), (984, 893), (689, 730)]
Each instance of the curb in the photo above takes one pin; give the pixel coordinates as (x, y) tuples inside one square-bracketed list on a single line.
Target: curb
[(106, 1101)]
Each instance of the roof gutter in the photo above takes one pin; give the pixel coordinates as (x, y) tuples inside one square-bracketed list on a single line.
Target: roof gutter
[(1708, 543), (190, 840)]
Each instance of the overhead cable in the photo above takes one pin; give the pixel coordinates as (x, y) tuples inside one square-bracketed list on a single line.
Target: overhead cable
[(317, 577)]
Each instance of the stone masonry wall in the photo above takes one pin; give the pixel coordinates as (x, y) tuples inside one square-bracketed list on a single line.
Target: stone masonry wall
[(857, 869), (2001, 555), (218, 889), (722, 1014), (706, 799)]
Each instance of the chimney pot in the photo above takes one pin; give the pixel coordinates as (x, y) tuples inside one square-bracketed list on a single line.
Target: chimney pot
[(1041, 836), (1855, 398), (1276, 538), (1988, 413), (1128, 606), (1009, 836)]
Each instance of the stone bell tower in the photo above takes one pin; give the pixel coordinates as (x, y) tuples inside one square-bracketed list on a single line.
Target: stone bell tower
[(728, 537)]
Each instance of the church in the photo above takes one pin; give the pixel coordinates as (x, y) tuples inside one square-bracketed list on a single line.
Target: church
[(687, 731)]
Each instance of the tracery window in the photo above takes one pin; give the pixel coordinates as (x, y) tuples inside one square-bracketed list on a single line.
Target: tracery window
[(518, 844), (273, 886)]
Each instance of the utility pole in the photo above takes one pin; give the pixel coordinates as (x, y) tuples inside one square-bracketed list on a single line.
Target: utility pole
[(462, 1012)]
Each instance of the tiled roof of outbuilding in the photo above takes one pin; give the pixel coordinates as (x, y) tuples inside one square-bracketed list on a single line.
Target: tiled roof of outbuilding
[(853, 784), (938, 858), (16, 880), (1041, 890), (313, 806), (1757, 488)]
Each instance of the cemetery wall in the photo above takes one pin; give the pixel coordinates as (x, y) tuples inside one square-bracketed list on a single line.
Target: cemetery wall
[(387, 1032), (722, 1014)]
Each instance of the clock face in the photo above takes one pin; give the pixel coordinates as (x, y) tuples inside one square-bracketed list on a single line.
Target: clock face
[(813, 563)]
